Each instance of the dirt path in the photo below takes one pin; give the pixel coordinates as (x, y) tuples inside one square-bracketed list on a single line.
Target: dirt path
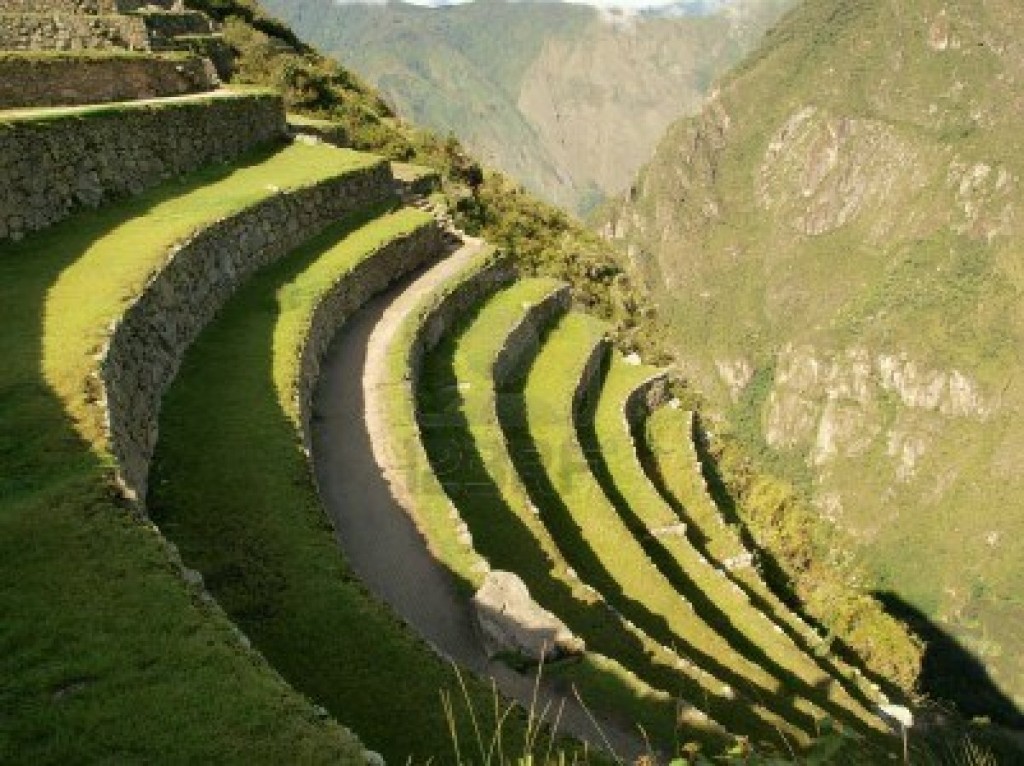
[(376, 533)]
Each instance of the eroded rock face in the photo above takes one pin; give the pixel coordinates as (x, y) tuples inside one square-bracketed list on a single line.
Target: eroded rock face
[(511, 621), (820, 170), (831, 402)]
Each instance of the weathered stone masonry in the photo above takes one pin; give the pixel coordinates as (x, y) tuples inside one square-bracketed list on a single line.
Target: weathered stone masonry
[(58, 80), (586, 386), (42, 32), (452, 306), (56, 166), (86, 6), (524, 339), (349, 293), (149, 341), (646, 398), (70, 32)]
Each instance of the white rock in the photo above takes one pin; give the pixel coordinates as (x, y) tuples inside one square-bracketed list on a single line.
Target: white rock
[(510, 620)]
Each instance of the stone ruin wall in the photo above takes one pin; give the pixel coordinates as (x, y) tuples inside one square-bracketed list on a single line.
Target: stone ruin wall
[(79, 32), (524, 339), (94, 7), (371, 276), (647, 397), (57, 166), (586, 386), (41, 32), (59, 81), (150, 339), (453, 306)]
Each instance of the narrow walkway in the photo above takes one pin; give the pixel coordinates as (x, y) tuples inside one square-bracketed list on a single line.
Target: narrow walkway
[(36, 112), (377, 535)]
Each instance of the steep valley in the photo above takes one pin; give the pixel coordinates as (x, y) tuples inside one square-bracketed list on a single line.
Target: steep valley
[(322, 440), (567, 99), (837, 241)]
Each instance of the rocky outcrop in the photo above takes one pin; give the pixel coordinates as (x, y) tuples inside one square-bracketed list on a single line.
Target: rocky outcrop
[(833, 402), (523, 340), (85, 157), (69, 80), (511, 621), (147, 344), (821, 171)]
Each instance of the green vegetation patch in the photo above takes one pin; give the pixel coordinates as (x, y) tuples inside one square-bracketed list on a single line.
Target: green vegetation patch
[(113, 266), (725, 607), (597, 544), (233, 489), (670, 460), (457, 409), (104, 651)]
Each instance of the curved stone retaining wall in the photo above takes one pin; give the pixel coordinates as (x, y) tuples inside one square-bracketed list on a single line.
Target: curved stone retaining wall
[(647, 397), (589, 375), (69, 80), (52, 166), (371, 276), (457, 301), (147, 344), (524, 339)]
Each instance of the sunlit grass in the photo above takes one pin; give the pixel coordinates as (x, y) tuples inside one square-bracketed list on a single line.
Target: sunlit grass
[(604, 552), (723, 605), (105, 653), (462, 435)]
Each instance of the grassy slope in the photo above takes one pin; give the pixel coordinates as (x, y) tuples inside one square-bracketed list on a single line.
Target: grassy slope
[(110, 269), (669, 459), (255, 528), (104, 652), (599, 547), (458, 416), (439, 69), (927, 265), (720, 602)]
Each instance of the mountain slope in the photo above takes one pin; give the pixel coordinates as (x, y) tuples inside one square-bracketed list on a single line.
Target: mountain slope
[(567, 99), (837, 238)]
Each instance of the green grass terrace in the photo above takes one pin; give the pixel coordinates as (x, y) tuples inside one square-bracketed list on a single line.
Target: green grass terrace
[(457, 401), (104, 650)]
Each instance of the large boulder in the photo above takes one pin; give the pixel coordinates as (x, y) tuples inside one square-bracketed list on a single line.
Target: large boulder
[(511, 621)]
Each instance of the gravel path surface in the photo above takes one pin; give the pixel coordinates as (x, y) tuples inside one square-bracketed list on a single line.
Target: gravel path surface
[(377, 535)]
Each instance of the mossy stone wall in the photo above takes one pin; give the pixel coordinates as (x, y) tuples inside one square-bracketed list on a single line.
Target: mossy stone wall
[(54, 166)]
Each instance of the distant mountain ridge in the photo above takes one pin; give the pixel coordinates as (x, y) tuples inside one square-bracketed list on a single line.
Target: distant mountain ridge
[(837, 239), (568, 99)]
